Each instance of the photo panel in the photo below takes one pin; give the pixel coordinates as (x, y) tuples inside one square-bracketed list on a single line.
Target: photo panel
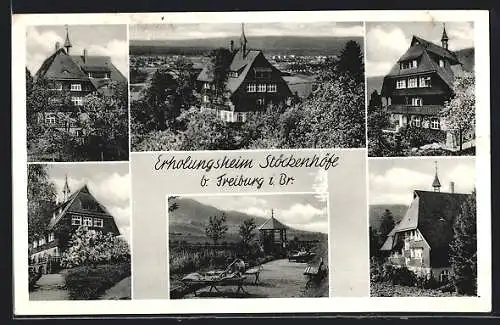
[(248, 246), (79, 232), (77, 93), (421, 88), (423, 227), (228, 86)]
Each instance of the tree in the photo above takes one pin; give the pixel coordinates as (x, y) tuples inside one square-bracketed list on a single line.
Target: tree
[(216, 228), (160, 96), (378, 120), (247, 229), (91, 247), (336, 115), (464, 248), (172, 204), (41, 200), (351, 61), (29, 81), (387, 223), (220, 60), (459, 112), (375, 242), (105, 123), (205, 131)]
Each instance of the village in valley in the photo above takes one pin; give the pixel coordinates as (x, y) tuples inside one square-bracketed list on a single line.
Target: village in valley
[(215, 251), (245, 91)]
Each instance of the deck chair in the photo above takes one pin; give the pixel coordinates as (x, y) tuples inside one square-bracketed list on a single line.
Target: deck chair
[(314, 269)]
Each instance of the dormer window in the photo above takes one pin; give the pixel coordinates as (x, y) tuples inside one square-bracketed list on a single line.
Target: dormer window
[(408, 64)]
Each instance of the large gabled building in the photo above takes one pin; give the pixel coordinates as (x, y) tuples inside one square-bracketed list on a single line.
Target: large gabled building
[(419, 84), (253, 84), (76, 75), (80, 208), (421, 240)]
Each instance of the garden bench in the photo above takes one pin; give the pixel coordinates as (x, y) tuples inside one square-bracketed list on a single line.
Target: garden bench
[(255, 271)]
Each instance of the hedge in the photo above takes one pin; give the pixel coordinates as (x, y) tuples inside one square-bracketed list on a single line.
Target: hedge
[(89, 282)]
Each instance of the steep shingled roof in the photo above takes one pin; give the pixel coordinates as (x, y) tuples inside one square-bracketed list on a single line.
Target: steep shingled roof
[(70, 205), (240, 63), (272, 223), (60, 65), (432, 213)]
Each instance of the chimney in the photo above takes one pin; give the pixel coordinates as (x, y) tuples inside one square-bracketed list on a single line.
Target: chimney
[(231, 47), (84, 55), (58, 45), (452, 187)]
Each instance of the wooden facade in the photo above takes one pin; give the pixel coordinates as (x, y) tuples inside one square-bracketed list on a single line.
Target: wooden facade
[(414, 92), (78, 209)]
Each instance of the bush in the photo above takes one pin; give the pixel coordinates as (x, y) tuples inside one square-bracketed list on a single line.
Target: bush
[(426, 282), (90, 247), (398, 275), (86, 282)]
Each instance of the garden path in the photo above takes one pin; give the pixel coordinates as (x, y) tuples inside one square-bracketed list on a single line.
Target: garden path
[(278, 279), (50, 287)]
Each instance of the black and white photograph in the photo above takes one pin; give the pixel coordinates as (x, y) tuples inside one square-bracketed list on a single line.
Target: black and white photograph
[(229, 86), (423, 231), (79, 231), (77, 93), (248, 246), (420, 89)]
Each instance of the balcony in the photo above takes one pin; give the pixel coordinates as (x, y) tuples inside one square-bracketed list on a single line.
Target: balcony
[(432, 110)]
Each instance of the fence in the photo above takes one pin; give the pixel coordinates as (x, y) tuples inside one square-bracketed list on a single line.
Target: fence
[(46, 265)]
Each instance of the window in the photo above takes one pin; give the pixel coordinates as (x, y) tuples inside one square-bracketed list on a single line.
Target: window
[(233, 74), (425, 82), (417, 121), (78, 133), (51, 237), (412, 83), (260, 101), (271, 88), (405, 65), (51, 119), (400, 84), (441, 63), (76, 87), (57, 86), (443, 277), (205, 99), (98, 222), (76, 221), (41, 241), (435, 123), (77, 101), (251, 88), (418, 253), (35, 243), (261, 88), (241, 117), (107, 75), (206, 85), (414, 63), (416, 101), (87, 221)]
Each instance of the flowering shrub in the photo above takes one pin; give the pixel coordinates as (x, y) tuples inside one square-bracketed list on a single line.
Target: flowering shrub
[(91, 247)]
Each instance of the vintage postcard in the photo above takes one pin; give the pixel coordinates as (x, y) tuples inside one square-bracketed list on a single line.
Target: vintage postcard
[(251, 162)]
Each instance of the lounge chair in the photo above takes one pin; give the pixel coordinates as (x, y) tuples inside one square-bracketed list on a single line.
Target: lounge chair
[(315, 269)]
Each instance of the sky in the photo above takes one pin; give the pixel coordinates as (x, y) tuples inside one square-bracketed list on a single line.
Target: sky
[(300, 211), (107, 40), (392, 181), (109, 183), (207, 30), (387, 42)]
